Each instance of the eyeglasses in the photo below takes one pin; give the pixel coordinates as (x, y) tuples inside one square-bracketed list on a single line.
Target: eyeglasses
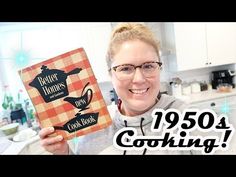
[(126, 71)]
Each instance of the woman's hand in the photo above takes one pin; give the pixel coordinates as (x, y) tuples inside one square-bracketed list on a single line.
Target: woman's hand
[(56, 145)]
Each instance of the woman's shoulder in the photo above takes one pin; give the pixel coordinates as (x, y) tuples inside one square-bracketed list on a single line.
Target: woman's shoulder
[(173, 102)]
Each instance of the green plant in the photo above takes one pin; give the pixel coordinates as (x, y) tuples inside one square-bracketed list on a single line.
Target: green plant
[(9, 103)]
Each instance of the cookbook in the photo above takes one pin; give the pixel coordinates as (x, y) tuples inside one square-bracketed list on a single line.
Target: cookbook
[(66, 95)]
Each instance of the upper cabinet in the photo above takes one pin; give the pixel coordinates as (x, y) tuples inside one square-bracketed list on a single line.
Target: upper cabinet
[(221, 42), (199, 45)]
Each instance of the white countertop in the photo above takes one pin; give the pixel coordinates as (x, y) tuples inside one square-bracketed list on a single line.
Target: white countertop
[(206, 95), (16, 147)]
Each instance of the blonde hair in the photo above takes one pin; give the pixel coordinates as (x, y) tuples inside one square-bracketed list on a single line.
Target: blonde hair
[(130, 31)]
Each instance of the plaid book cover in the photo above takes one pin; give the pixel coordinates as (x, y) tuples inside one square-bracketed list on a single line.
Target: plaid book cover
[(66, 95)]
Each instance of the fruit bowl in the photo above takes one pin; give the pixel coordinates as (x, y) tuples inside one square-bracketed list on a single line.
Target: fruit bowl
[(10, 128)]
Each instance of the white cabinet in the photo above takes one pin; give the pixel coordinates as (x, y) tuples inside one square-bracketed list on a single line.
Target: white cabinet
[(225, 105), (219, 105), (199, 45), (187, 42), (221, 43)]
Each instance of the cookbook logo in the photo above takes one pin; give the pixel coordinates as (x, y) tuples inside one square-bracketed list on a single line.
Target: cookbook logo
[(80, 121), (51, 83)]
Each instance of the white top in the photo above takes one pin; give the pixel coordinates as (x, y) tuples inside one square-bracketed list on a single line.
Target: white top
[(101, 142)]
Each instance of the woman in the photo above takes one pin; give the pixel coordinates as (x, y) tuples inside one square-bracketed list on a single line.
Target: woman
[(134, 65)]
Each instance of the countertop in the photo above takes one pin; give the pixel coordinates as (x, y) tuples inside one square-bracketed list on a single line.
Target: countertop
[(16, 147), (206, 96)]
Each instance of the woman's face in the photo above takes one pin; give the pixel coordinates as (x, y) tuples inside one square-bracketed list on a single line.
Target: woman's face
[(138, 93)]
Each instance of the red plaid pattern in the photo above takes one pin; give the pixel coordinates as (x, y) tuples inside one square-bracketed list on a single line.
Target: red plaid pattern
[(58, 112)]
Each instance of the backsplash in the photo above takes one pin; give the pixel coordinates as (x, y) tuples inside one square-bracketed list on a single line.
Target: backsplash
[(200, 75), (203, 74)]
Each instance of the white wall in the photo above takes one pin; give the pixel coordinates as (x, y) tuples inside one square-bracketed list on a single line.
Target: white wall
[(45, 40)]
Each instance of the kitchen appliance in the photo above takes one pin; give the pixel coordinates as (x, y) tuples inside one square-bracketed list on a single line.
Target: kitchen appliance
[(222, 77)]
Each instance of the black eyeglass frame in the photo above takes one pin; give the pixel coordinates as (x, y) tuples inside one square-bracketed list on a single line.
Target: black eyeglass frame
[(139, 66)]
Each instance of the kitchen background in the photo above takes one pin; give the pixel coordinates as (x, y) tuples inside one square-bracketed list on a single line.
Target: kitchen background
[(190, 52)]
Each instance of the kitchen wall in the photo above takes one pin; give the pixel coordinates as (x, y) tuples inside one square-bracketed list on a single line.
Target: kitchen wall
[(44, 40), (203, 74)]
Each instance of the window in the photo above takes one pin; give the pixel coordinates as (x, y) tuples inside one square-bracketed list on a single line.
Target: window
[(41, 41)]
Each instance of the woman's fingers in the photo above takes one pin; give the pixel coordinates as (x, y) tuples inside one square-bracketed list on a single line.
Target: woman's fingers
[(43, 133), (51, 140), (57, 147), (53, 144)]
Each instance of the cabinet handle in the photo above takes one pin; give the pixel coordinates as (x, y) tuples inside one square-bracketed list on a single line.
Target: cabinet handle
[(210, 63), (206, 63), (213, 104)]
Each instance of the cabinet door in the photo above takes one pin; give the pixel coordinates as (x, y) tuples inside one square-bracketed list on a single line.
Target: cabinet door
[(220, 105), (227, 106), (221, 43), (199, 45), (190, 40)]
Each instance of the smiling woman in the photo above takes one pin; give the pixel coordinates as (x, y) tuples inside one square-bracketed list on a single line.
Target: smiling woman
[(134, 67)]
